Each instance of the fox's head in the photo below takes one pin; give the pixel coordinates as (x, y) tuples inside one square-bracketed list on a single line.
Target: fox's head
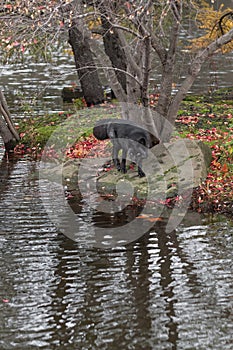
[(137, 150)]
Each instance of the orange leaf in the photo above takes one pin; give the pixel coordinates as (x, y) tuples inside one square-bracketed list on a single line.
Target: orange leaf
[(155, 219), (147, 217), (142, 216), (224, 168)]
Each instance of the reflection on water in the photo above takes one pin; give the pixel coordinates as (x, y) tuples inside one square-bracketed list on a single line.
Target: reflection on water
[(163, 292)]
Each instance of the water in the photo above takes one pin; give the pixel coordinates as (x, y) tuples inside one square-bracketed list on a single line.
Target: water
[(37, 87), (163, 292)]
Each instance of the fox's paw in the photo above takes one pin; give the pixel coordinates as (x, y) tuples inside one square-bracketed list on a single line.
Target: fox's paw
[(141, 173)]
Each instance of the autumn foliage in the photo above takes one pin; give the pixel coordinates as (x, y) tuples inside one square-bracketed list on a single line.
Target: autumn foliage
[(215, 194), (214, 23)]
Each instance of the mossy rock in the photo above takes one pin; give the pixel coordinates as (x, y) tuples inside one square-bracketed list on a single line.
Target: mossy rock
[(171, 170), (69, 94)]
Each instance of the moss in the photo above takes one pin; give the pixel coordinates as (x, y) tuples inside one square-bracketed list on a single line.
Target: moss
[(36, 131)]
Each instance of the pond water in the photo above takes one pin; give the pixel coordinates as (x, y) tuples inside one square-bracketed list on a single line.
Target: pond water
[(37, 87), (165, 291)]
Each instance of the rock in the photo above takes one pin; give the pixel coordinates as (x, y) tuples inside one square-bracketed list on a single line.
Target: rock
[(108, 93), (71, 93), (171, 169)]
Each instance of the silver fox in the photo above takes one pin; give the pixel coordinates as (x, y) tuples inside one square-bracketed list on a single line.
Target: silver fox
[(128, 137)]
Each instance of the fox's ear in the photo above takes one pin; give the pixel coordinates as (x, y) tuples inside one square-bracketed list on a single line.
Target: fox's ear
[(142, 141)]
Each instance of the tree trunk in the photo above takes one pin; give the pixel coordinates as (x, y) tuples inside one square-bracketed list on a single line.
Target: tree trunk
[(7, 129), (113, 48), (168, 66), (86, 69), (110, 73), (116, 55), (8, 139)]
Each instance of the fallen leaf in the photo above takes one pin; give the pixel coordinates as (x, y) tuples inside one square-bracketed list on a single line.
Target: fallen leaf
[(224, 168), (149, 218)]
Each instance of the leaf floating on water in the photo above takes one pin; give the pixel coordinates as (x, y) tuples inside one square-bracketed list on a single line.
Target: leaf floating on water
[(149, 218)]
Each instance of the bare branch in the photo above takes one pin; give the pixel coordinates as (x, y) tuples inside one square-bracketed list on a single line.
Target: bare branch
[(6, 114), (169, 64), (220, 22), (146, 71), (159, 48), (195, 68), (130, 59)]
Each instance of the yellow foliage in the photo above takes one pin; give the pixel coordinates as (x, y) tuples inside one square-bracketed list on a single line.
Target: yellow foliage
[(69, 52), (94, 23), (215, 24)]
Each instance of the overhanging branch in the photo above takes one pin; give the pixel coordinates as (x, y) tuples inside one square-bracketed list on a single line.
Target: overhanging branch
[(195, 68)]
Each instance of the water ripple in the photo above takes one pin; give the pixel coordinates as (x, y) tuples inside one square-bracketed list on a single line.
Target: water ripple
[(163, 292)]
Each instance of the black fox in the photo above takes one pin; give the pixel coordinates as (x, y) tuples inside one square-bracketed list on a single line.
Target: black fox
[(128, 137)]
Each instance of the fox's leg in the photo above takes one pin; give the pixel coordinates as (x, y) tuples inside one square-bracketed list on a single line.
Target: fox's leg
[(123, 163), (140, 171), (115, 152)]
